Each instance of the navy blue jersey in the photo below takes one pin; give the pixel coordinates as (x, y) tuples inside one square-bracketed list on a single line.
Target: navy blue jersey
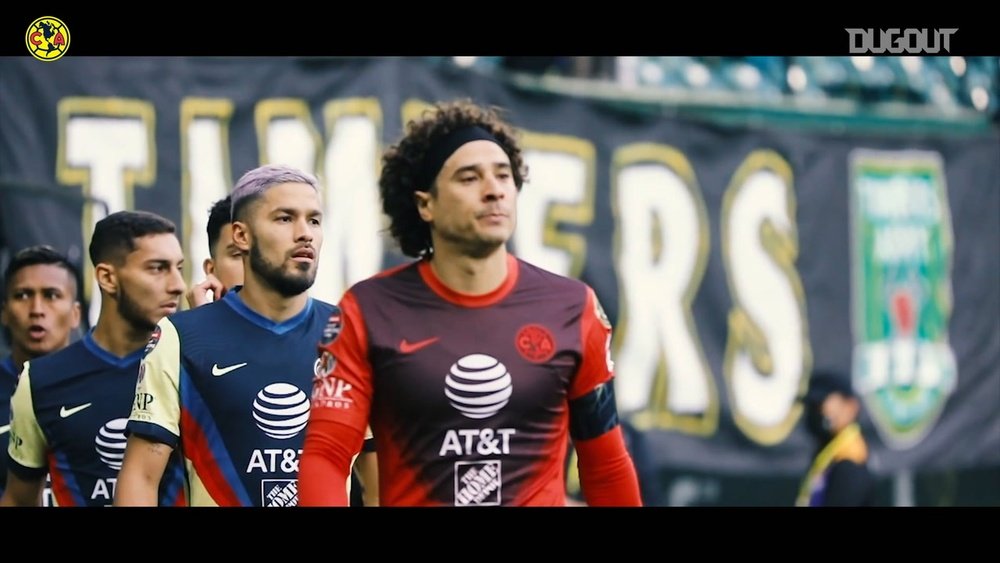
[(68, 419), (229, 388), (8, 379)]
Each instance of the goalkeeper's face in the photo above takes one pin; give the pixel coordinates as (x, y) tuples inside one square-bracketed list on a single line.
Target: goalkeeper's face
[(474, 206)]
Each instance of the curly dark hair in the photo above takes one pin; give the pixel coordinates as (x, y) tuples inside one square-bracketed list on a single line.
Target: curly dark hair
[(402, 162)]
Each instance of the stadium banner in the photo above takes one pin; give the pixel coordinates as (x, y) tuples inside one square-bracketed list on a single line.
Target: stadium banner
[(735, 261)]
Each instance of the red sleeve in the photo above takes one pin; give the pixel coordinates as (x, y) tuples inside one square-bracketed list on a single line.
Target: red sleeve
[(325, 464), (341, 400), (596, 366), (607, 475)]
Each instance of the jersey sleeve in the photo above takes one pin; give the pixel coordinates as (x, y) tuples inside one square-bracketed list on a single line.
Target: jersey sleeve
[(596, 366), (341, 401), (342, 388), (27, 447), (156, 411)]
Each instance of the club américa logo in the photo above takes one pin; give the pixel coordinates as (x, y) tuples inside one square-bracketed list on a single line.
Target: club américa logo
[(47, 38)]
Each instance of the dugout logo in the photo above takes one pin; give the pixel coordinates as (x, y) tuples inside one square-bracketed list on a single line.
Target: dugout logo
[(47, 38), (896, 41)]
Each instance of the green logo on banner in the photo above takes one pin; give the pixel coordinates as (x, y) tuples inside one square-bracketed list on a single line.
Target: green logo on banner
[(904, 367)]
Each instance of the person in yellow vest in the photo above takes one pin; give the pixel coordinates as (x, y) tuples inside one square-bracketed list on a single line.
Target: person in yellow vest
[(839, 474)]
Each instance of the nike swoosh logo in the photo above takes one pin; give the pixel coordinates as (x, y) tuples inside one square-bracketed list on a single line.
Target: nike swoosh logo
[(65, 413), (409, 348), (217, 371), (4, 428)]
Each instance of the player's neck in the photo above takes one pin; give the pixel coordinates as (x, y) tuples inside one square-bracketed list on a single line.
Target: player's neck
[(118, 336), (19, 355), (268, 303), (467, 274)]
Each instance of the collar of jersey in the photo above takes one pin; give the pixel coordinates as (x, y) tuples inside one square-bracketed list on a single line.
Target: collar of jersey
[(234, 301), (107, 357), (463, 299)]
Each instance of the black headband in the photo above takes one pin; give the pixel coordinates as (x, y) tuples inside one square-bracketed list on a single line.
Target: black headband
[(444, 147)]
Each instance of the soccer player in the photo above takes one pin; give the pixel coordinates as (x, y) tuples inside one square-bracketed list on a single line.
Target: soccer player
[(471, 365), (839, 474), (70, 407), (39, 311), (227, 383), (224, 266), (223, 271)]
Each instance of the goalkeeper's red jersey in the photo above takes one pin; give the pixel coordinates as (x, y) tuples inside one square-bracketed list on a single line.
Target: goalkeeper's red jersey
[(469, 398)]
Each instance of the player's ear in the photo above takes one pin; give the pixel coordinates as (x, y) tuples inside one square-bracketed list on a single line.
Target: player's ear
[(208, 266), (241, 236), (107, 278), (423, 201), (75, 320)]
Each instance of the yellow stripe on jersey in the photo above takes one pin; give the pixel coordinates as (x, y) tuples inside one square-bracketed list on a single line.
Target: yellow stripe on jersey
[(159, 382), (27, 445), (197, 492)]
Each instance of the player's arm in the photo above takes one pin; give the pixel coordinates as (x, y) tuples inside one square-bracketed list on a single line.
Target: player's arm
[(27, 449), (143, 467), (153, 428), (607, 474), (341, 400), (23, 491), (366, 468)]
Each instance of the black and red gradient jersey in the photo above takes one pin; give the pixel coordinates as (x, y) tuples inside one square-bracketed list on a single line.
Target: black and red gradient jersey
[(468, 397)]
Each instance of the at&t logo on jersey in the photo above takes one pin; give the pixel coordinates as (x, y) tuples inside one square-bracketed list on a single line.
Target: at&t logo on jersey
[(110, 445), (475, 441), (478, 386), (280, 411)]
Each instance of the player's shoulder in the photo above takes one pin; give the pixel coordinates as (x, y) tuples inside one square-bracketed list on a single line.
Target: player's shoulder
[(68, 356), (54, 366), (389, 275), (197, 319), (323, 308), (536, 277), (389, 280)]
